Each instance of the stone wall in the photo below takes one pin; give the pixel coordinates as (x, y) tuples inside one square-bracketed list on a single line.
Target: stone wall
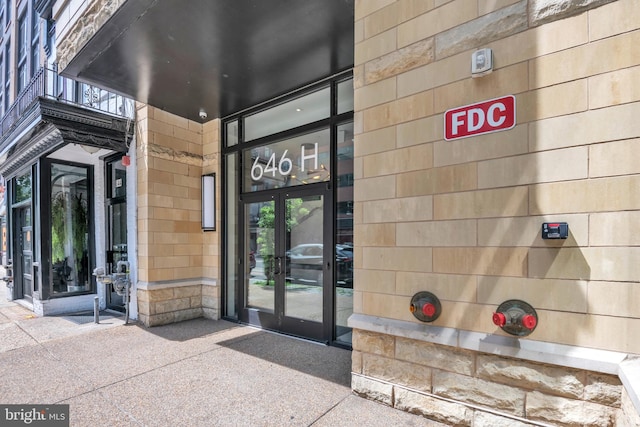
[(169, 304), (77, 22), (164, 304), (628, 415), (462, 218), (211, 240), (461, 387), (178, 262)]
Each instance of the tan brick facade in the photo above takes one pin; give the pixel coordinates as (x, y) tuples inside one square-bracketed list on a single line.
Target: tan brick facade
[(178, 262), (458, 218), (462, 218)]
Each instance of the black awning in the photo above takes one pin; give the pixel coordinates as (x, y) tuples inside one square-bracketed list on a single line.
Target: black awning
[(219, 55)]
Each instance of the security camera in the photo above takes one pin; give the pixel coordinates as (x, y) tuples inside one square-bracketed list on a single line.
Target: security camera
[(202, 114)]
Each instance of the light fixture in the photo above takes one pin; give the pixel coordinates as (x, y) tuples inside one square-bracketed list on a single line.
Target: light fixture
[(209, 202), (90, 149)]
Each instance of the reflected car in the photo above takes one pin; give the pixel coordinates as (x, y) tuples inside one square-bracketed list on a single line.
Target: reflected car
[(344, 266), (304, 264)]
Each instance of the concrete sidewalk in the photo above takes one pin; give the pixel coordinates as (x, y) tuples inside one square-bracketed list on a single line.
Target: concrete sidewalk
[(195, 373)]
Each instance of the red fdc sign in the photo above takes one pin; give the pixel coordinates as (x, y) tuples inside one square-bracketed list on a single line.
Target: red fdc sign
[(484, 117)]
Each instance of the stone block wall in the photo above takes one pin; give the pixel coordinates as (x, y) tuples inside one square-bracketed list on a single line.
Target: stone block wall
[(177, 266), (164, 304), (169, 304), (628, 415), (461, 387), (170, 241), (77, 21), (462, 218), (211, 164)]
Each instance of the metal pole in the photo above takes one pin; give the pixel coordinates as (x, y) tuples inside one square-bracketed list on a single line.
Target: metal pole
[(96, 309), (127, 288)]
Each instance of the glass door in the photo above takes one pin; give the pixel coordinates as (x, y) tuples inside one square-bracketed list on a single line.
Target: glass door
[(116, 202), (117, 249), (288, 213), (71, 228), (285, 275), (24, 263)]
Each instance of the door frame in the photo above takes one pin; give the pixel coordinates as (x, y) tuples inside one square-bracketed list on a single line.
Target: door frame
[(235, 189), (278, 321), (112, 200), (18, 258)]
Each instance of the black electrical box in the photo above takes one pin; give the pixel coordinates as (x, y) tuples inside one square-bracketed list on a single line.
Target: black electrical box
[(555, 230)]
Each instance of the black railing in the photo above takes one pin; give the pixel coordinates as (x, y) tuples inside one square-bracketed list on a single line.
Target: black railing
[(49, 84)]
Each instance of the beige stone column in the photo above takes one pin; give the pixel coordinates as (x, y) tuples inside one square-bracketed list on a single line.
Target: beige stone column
[(178, 262)]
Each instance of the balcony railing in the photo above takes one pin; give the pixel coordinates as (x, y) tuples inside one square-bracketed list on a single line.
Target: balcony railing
[(49, 84)]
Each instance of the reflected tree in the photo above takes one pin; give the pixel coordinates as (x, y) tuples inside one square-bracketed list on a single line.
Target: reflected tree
[(266, 236)]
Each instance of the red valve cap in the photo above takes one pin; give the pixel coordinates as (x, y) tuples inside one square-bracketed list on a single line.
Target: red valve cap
[(499, 319), (429, 309), (529, 321)]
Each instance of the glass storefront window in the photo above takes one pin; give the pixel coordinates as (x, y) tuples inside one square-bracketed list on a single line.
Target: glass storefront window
[(70, 228), (23, 188), (231, 133), (302, 160), (345, 96), (118, 178), (296, 112), (344, 233), (231, 222)]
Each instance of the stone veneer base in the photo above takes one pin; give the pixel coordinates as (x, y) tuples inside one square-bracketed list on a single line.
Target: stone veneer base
[(625, 366), (161, 303)]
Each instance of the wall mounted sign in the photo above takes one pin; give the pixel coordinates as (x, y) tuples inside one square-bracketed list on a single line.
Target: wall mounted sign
[(484, 117), (295, 161)]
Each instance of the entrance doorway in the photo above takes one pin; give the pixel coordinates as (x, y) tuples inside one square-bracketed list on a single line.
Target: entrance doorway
[(288, 213), (116, 201), (288, 261), (24, 251)]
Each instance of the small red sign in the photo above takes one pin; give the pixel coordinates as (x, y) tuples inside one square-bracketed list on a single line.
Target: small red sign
[(484, 117)]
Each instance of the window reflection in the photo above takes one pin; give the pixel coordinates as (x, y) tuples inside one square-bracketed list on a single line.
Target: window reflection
[(70, 228), (232, 133), (260, 235), (344, 231), (118, 176), (296, 112), (23, 188), (345, 96)]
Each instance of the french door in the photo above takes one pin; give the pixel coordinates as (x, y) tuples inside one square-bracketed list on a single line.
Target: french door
[(288, 213), (288, 268)]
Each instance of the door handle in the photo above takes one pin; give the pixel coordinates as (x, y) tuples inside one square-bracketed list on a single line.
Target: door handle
[(278, 266)]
